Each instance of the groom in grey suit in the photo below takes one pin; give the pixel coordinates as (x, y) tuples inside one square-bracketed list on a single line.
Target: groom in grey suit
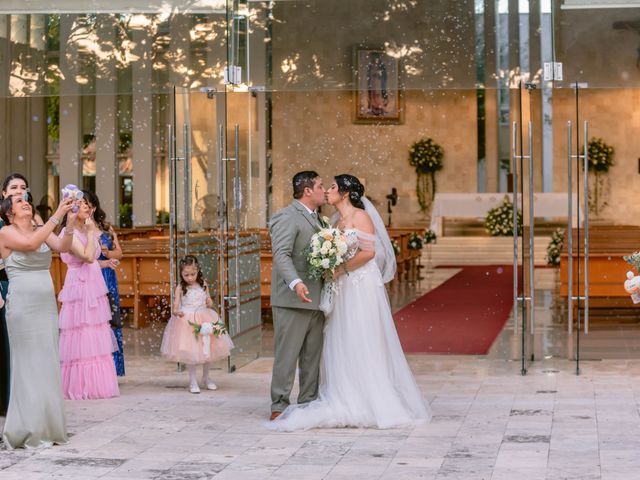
[(297, 321)]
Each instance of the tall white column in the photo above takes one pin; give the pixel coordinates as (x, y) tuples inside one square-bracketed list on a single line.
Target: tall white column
[(37, 27), (17, 113), (142, 123), (256, 166), (70, 165), (107, 170), (180, 46), (19, 32)]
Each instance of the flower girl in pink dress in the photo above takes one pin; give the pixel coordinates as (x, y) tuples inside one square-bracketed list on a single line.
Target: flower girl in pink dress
[(86, 339), (195, 335)]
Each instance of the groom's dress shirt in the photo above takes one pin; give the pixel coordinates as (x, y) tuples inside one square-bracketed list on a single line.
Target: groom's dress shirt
[(314, 214)]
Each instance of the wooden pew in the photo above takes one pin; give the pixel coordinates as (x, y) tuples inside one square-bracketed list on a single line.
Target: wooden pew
[(142, 232), (607, 269)]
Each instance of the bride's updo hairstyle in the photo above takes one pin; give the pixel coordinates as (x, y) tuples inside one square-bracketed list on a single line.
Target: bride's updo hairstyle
[(351, 185)]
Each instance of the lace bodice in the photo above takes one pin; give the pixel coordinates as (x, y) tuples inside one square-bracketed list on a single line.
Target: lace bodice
[(195, 298)]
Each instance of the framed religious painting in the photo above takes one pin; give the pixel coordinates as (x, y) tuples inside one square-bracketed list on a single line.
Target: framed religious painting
[(377, 87)]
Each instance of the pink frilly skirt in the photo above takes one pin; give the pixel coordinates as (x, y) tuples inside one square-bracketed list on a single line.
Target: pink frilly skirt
[(86, 339), (181, 344)]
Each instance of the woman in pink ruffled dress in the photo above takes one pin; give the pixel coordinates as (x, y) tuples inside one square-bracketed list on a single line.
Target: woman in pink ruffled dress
[(86, 339)]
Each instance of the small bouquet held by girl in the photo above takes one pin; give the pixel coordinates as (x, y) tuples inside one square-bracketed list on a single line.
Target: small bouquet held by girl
[(195, 335), (325, 253)]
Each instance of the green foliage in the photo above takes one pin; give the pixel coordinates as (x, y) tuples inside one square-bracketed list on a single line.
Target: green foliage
[(162, 217), (125, 141), (126, 215), (53, 118)]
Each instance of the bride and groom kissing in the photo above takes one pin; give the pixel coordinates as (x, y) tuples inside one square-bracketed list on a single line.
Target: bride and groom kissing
[(352, 370)]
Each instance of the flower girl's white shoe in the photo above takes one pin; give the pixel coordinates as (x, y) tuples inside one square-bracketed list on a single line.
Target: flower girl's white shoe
[(211, 385), (194, 388)]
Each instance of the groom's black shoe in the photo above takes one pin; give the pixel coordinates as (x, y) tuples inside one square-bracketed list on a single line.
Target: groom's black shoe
[(274, 415)]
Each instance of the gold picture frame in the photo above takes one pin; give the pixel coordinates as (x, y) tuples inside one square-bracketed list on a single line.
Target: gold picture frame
[(377, 90)]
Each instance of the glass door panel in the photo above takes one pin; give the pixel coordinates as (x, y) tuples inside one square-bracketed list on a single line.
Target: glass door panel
[(194, 150)]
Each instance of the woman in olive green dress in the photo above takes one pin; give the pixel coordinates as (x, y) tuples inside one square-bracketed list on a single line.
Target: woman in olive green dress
[(35, 417)]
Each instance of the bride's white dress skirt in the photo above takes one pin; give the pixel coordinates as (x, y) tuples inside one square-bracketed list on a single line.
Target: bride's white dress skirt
[(365, 378)]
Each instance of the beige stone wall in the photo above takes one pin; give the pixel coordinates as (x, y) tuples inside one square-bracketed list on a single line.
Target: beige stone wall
[(314, 130), (313, 77)]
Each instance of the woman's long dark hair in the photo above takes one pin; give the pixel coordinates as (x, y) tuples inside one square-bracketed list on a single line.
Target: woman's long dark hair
[(351, 185), (187, 261), (99, 216), (17, 176)]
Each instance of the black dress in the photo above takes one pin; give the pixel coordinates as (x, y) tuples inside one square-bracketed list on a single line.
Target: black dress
[(4, 347)]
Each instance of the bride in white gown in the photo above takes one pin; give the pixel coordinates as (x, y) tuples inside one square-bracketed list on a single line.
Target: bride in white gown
[(365, 378)]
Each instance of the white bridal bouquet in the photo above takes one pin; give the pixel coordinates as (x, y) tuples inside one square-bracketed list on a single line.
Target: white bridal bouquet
[(326, 252)]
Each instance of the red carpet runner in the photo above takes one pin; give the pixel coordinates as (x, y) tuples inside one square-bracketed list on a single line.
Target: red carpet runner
[(464, 315)]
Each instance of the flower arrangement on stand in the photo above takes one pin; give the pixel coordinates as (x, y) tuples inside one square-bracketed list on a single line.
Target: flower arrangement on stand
[(426, 157), (600, 161), (414, 242), (429, 238), (499, 220), (555, 247)]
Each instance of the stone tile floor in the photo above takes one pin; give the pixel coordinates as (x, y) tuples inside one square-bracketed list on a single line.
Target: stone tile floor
[(489, 423)]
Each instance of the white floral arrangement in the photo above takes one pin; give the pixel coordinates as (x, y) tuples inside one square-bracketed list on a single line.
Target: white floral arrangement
[(414, 242), (429, 237), (326, 252), (555, 247), (600, 155), (499, 220)]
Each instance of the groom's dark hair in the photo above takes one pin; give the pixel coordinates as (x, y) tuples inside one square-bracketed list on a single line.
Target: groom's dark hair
[(302, 180)]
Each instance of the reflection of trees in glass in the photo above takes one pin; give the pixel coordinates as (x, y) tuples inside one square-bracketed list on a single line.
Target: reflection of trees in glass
[(99, 46)]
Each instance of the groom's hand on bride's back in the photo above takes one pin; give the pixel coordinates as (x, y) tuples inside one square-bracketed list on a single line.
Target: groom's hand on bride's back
[(302, 291)]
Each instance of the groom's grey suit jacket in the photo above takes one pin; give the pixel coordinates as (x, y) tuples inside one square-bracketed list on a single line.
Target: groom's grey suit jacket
[(291, 230)]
